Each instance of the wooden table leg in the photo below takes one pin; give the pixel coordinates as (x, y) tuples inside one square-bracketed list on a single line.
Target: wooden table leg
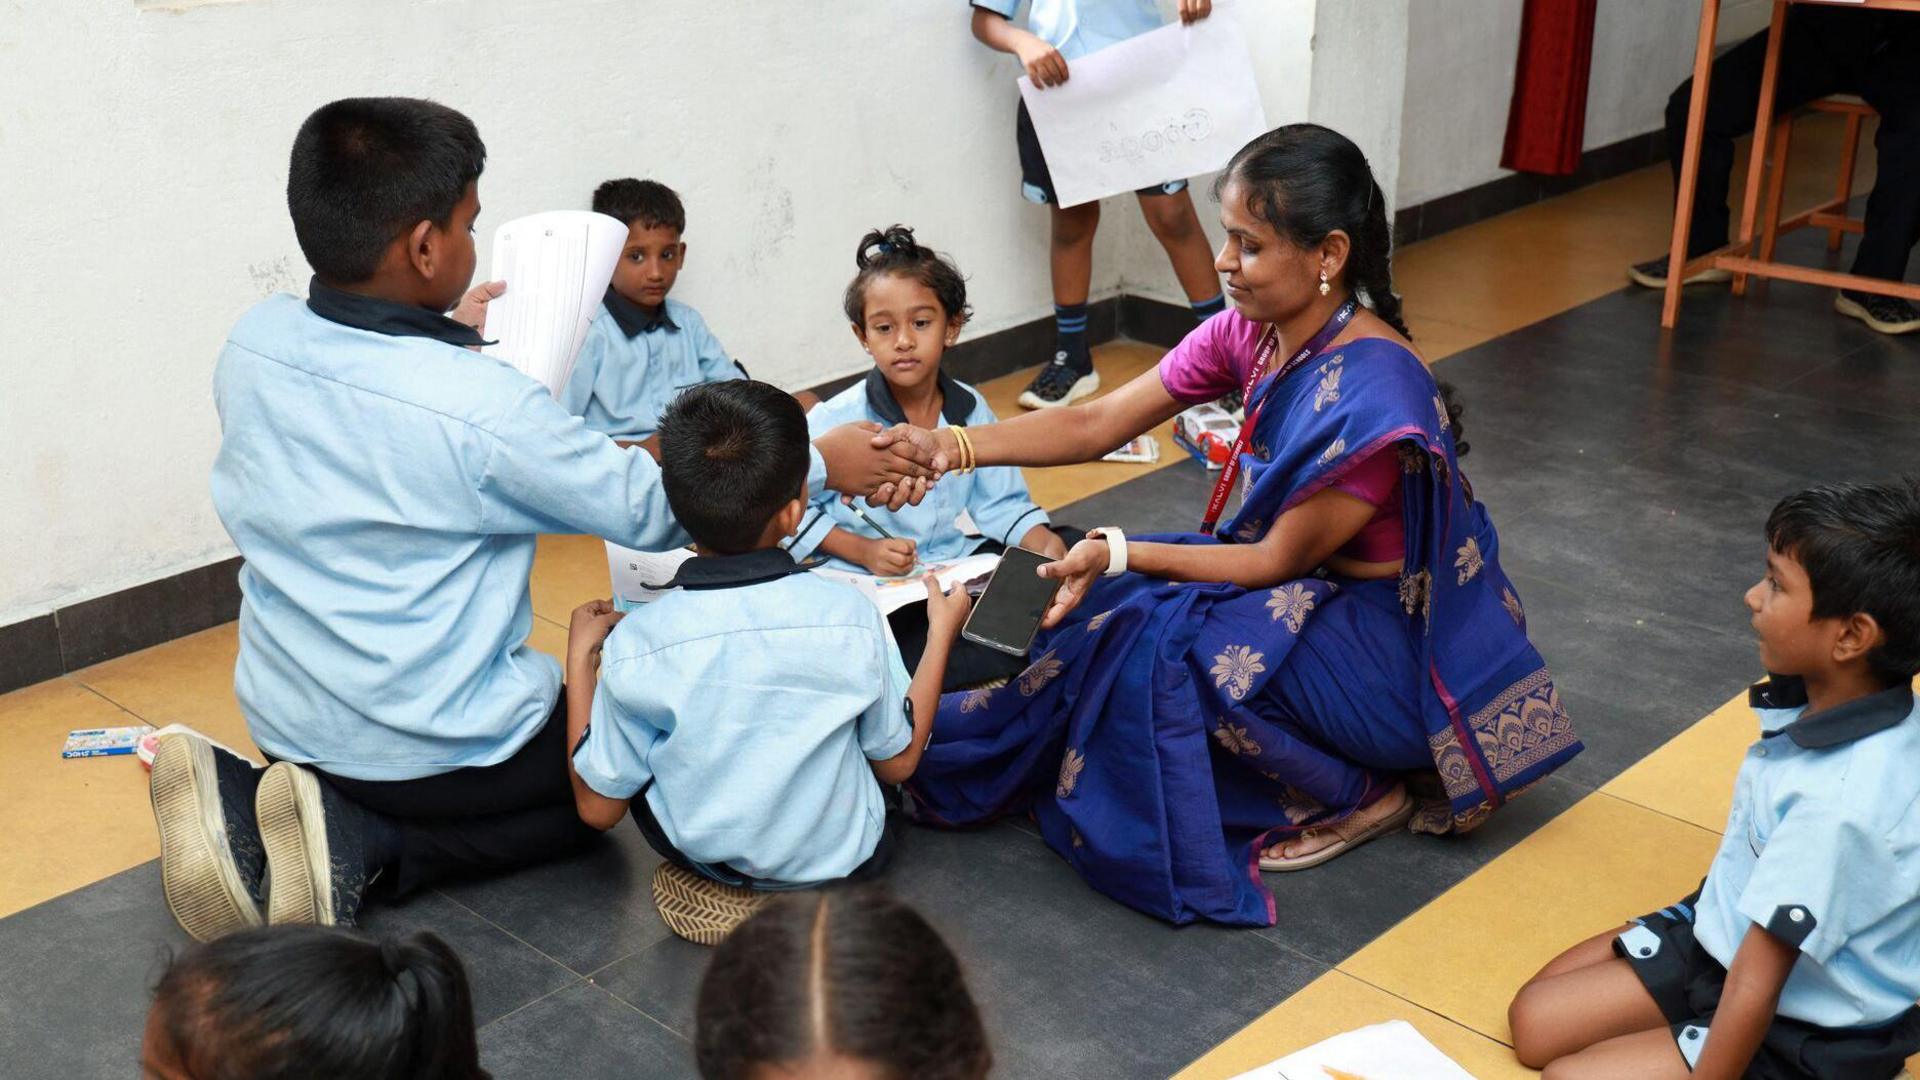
[(1762, 127), (1776, 187), (1690, 161)]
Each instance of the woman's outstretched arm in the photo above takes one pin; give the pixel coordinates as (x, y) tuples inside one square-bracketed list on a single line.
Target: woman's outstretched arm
[(1304, 538), (1073, 434)]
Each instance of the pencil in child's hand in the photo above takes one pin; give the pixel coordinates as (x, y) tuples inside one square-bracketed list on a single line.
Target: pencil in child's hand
[(872, 524)]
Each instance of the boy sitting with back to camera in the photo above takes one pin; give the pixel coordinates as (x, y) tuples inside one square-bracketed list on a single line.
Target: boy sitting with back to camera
[(751, 714)]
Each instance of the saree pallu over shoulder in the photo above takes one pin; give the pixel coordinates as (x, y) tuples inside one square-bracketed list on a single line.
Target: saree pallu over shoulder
[(1494, 719), (1142, 736)]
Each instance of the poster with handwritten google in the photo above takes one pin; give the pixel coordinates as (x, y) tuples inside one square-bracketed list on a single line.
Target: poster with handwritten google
[(1166, 105)]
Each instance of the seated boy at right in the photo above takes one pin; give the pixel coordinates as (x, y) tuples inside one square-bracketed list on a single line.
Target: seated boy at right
[(751, 714), (1799, 955)]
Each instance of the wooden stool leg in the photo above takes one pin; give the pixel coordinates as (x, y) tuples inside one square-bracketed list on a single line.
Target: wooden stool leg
[(1690, 161), (1849, 150), (1776, 187), (1762, 127)]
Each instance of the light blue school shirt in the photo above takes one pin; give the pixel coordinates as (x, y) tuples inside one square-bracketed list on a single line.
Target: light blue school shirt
[(746, 706), (385, 489), (634, 363), (1078, 27), (1823, 850), (996, 498)]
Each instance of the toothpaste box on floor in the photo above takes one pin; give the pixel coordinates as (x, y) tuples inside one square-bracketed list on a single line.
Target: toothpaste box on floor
[(103, 742)]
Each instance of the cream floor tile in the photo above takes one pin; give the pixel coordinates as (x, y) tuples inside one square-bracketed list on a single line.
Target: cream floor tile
[(66, 823), (1691, 777), (568, 571), (185, 681), (1593, 867), (1337, 1002), (550, 638), (1437, 339)]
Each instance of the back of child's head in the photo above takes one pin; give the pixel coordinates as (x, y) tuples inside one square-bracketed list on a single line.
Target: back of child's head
[(647, 203), (731, 455), (894, 251), (841, 974), (306, 1001), (1860, 547), (365, 170)]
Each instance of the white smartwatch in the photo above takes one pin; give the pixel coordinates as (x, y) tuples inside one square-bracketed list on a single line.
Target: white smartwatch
[(1116, 549)]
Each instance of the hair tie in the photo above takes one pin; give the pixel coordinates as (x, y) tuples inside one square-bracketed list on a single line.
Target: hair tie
[(885, 246)]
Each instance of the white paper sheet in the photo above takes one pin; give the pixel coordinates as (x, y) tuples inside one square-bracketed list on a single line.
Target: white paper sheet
[(632, 571), (892, 594), (556, 266), (1394, 1050), (1165, 105)]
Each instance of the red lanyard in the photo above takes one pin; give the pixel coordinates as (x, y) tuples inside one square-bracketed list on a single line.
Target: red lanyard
[(1269, 344)]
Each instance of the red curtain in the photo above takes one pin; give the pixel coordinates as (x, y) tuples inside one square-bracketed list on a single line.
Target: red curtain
[(1548, 117)]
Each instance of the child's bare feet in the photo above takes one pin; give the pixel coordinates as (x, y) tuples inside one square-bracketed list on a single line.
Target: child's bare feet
[(1360, 823)]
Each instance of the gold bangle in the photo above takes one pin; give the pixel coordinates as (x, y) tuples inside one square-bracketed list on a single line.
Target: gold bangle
[(966, 449)]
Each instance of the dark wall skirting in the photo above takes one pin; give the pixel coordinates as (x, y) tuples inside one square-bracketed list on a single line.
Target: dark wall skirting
[(1495, 197), (132, 619)]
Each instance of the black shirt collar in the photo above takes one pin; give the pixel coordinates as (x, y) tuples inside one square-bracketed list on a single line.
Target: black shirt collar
[(956, 405), (729, 571), (1844, 723), (387, 316), (635, 320)]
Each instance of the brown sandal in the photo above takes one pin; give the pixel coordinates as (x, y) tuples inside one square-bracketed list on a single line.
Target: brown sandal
[(1350, 836)]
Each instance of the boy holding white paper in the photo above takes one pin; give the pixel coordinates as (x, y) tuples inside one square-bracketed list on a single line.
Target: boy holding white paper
[(1060, 31), (385, 484)]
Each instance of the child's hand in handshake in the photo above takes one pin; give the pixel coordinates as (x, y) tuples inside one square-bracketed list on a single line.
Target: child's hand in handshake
[(592, 622), (891, 558), (946, 609)]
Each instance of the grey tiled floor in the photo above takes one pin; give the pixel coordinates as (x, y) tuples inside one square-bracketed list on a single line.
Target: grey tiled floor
[(1629, 476)]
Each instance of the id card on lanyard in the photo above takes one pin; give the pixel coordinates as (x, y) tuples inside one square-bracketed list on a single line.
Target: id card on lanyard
[(1263, 355)]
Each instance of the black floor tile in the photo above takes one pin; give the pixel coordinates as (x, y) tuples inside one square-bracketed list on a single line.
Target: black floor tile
[(1073, 984), (585, 911), (505, 973), (662, 980), (582, 1031), (1632, 681), (1882, 376), (75, 976), (1172, 499), (1331, 911)]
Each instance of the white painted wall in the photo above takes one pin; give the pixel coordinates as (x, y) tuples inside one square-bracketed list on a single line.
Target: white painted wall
[(1459, 80), (143, 163)]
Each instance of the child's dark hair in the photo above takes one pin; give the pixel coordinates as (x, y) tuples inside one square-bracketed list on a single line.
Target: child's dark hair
[(731, 455), (846, 971), (302, 1001), (1306, 181), (649, 202), (894, 251), (365, 170), (1860, 545)]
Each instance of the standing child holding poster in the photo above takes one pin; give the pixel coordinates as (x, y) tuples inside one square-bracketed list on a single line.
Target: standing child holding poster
[(1065, 30)]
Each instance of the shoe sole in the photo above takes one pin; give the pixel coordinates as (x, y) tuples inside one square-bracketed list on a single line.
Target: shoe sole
[(197, 873), (293, 830), (1853, 309), (1709, 276), (1084, 386), (700, 909)]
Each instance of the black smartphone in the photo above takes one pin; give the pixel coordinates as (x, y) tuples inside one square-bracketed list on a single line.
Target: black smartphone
[(1008, 614)]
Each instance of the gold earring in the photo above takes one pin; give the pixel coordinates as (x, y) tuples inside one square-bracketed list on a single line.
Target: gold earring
[(1324, 287)]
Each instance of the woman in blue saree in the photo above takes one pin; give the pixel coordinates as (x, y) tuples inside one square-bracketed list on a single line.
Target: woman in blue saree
[(1201, 707)]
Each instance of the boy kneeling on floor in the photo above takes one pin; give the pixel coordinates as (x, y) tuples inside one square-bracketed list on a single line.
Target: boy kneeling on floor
[(751, 714), (1799, 956)]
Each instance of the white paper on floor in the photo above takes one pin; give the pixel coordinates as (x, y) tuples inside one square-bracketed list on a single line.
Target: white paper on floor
[(1394, 1050), (1166, 105), (557, 266)]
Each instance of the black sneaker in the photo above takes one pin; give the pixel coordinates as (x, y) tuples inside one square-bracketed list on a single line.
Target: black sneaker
[(315, 839), (1060, 383), (1652, 274), (1887, 314), (211, 858)]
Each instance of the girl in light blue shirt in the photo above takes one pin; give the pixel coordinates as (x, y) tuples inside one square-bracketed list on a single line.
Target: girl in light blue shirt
[(907, 305)]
